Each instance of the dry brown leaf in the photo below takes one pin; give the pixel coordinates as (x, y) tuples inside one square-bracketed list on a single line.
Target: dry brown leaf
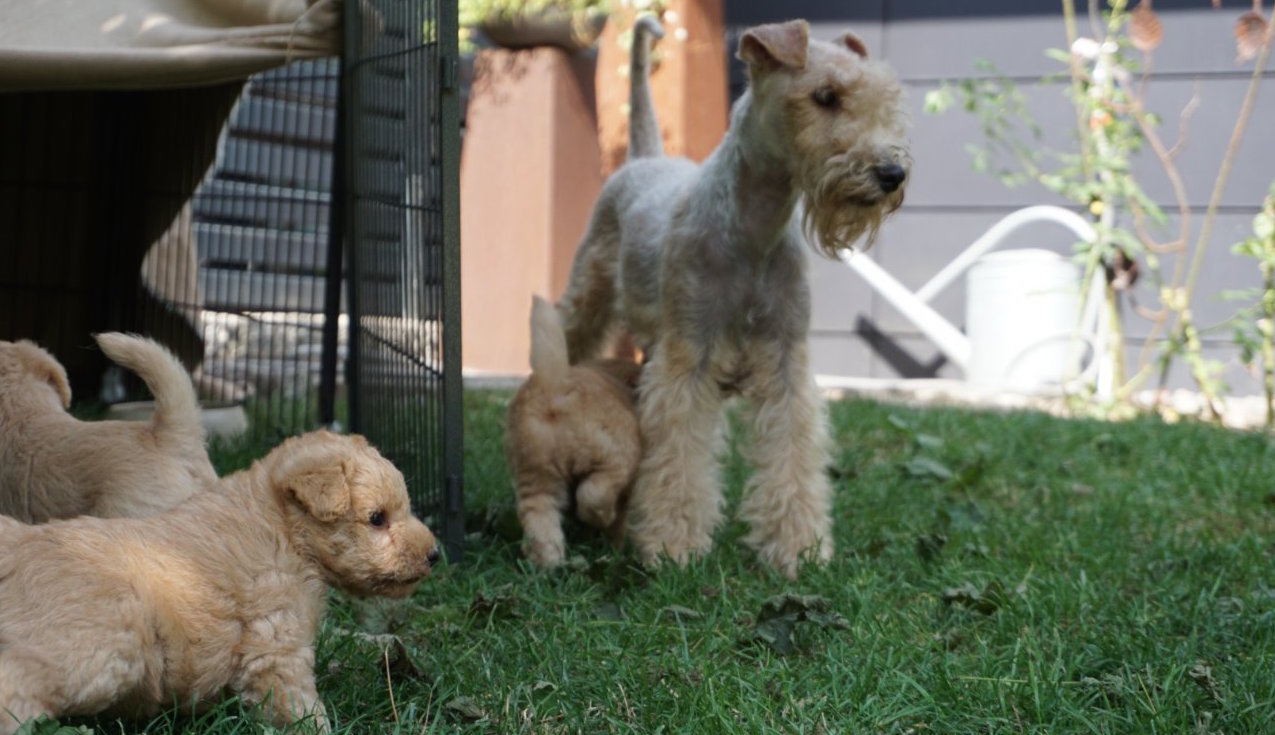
[(1145, 30), (1250, 32)]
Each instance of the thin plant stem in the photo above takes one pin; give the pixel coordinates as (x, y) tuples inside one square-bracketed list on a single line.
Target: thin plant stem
[(1224, 172)]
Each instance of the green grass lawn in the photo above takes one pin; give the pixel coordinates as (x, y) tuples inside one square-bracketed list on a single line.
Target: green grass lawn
[(994, 573)]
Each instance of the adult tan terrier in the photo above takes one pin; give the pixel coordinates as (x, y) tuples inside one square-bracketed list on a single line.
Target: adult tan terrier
[(220, 596), (705, 268), (52, 465), (571, 436)]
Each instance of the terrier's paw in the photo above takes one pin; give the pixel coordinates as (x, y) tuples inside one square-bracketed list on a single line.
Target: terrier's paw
[(788, 558)]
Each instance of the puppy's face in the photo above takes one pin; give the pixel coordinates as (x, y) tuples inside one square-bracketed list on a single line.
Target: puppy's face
[(347, 507)]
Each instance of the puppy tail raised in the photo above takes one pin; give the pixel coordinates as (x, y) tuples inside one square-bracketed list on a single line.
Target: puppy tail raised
[(548, 342), (644, 128), (176, 414)]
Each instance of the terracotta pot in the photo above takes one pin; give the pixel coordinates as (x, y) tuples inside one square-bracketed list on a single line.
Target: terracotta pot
[(565, 29)]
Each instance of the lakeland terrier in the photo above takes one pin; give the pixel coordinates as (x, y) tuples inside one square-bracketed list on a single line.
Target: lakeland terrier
[(571, 437), (704, 266), (52, 465), (219, 596)]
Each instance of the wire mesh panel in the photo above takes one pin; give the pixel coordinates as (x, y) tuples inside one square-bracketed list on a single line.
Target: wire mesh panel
[(400, 139), (261, 223)]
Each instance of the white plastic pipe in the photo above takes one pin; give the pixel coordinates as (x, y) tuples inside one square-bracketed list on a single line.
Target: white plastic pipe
[(950, 340)]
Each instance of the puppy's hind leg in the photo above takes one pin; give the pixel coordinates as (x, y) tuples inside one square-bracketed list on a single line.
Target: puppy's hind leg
[(598, 496), (541, 499)]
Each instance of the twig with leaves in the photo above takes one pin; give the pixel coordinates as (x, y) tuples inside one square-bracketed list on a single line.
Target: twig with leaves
[(1108, 91)]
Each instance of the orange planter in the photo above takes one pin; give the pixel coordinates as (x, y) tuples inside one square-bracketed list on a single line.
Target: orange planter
[(529, 174)]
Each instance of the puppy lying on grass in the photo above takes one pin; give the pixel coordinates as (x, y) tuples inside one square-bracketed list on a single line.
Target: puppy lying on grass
[(571, 437), (52, 465), (219, 596)]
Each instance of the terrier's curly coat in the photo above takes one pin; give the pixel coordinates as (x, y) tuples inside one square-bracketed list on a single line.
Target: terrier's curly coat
[(705, 266)]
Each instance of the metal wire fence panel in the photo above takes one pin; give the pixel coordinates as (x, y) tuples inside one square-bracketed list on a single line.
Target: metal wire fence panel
[(262, 225), (400, 145), (294, 238)]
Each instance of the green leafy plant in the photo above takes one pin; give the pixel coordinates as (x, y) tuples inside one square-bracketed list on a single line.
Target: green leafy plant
[(1255, 324), (1109, 76)]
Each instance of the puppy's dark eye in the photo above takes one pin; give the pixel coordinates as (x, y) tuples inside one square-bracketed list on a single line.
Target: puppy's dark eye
[(377, 518), (826, 97)]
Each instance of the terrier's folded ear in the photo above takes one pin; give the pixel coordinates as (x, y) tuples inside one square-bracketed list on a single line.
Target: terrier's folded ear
[(770, 46), (854, 43)]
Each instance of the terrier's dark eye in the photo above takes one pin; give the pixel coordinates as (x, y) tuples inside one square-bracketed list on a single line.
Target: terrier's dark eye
[(826, 97), (377, 518)]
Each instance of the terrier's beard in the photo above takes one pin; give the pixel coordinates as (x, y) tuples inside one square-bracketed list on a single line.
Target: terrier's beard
[(844, 203)]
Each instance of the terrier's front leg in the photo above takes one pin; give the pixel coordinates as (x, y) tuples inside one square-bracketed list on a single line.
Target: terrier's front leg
[(788, 500), (676, 502)]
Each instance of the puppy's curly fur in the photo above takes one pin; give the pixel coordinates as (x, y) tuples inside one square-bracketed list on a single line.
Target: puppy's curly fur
[(571, 435), (52, 465), (219, 596)]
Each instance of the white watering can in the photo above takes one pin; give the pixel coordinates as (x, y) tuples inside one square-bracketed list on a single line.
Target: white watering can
[(1025, 332)]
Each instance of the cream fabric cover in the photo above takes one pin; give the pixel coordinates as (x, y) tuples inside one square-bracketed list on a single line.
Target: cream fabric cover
[(150, 44)]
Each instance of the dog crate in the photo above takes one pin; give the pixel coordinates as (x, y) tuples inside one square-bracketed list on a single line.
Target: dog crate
[(294, 239)]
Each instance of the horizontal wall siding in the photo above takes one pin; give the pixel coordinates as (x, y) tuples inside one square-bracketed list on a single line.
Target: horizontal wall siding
[(855, 333)]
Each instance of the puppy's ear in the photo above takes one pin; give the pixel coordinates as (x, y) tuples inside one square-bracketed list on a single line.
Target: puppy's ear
[(766, 47), (315, 478), (43, 366), (854, 43)]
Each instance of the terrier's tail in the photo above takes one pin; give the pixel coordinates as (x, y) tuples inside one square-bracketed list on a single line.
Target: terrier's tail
[(548, 342), (176, 419), (644, 129)]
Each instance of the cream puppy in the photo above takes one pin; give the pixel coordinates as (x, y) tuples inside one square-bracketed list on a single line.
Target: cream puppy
[(219, 596), (52, 465)]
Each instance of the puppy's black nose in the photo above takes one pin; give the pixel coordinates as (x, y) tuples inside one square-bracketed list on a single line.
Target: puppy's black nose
[(432, 557), (890, 176)]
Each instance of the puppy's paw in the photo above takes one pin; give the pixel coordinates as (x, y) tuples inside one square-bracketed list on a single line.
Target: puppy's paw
[(544, 553)]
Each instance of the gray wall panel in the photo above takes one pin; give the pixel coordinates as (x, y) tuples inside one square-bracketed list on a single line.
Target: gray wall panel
[(949, 204), (1207, 134), (944, 48), (1194, 42), (840, 294), (943, 173), (840, 353)]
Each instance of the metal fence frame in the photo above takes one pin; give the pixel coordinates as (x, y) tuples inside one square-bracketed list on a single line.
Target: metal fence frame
[(396, 179)]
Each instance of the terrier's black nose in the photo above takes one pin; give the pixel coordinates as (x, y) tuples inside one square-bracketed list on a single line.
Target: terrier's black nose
[(432, 557), (890, 176)]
